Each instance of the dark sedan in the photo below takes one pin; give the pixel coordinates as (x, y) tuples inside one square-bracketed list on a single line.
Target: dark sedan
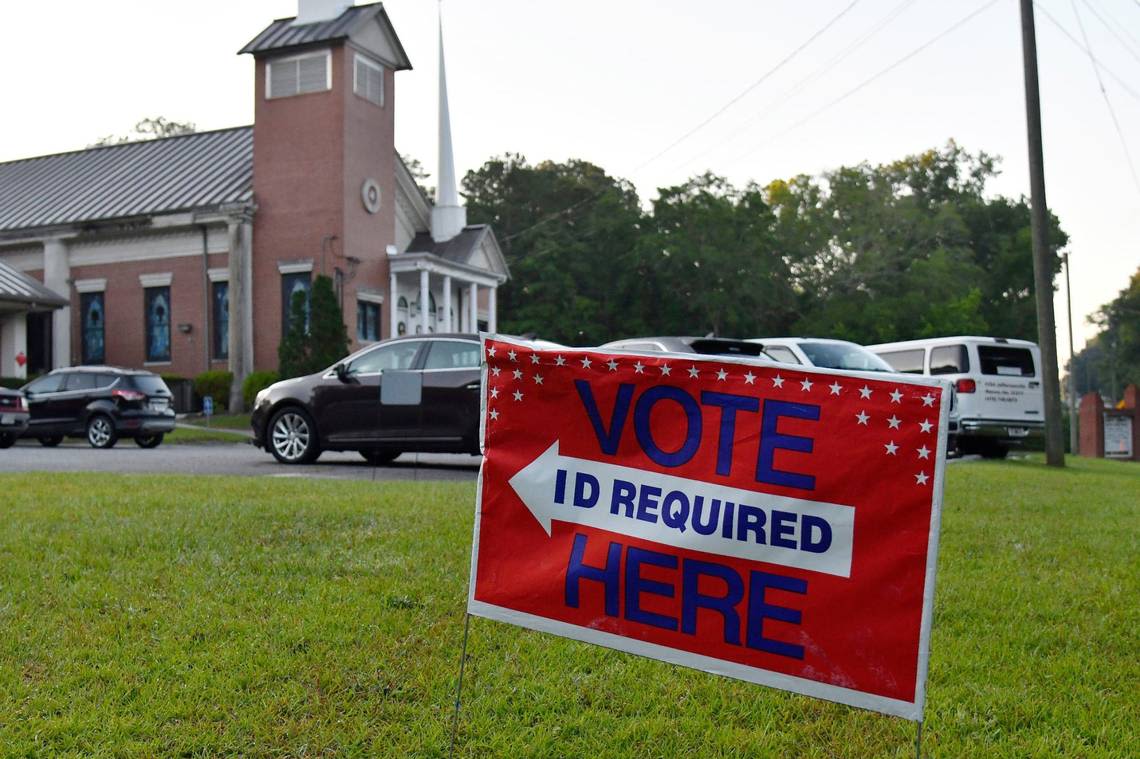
[(100, 403), (415, 393), (13, 416)]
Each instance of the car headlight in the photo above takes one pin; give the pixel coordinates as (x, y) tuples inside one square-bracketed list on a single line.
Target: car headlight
[(261, 396)]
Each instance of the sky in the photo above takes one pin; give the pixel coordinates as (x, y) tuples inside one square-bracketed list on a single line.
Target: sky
[(620, 82)]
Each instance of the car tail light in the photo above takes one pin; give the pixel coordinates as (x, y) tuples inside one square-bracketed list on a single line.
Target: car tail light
[(966, 386), (20, 405), (131, 396)]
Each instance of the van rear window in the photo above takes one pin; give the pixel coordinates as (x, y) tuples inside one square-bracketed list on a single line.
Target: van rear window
[(949, 359), (908, 362), (1006, 361)]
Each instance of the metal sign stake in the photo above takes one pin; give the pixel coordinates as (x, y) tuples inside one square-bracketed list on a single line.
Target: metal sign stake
[(459, 685)]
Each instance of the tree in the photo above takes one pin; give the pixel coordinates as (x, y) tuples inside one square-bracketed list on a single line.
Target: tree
[(909, 249), (315, 337), (569, 233), (292, 351), (872, 253), (1111, 360), (708, 262), (149, 129), (328, 337), (419, 174)]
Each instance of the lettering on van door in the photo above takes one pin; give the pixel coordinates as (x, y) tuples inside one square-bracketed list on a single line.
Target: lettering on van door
[(1003, 392)]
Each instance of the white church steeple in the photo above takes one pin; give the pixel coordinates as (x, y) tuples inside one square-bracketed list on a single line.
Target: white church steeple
[(448, 217)]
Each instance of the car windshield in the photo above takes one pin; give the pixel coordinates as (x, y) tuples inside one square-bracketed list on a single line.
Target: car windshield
[(844, 356)]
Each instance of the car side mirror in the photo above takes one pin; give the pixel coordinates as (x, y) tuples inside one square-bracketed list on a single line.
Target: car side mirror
[(342, 373)]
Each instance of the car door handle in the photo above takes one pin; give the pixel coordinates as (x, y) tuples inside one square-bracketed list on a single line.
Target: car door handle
[(473, 385)]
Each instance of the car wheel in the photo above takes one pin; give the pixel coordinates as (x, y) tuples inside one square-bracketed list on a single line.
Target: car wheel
[(101, 431), (51, 442), (378, 458), (149, 441), (293, 436), (7, 441)]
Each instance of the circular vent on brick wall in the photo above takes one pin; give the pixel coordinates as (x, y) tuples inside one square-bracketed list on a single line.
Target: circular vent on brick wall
[(370, 195)]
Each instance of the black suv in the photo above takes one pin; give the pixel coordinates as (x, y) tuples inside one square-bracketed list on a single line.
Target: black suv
[(13, 416), (414, 393), (101, 403)]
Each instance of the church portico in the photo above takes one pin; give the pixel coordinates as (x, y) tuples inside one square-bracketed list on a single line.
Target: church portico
[(459, 298)]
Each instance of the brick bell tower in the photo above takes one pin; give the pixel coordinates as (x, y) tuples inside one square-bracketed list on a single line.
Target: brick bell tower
[(323, 165)]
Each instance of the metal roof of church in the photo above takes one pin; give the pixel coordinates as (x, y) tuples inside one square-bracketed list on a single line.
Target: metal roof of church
[(16, 287), (129, 180), (283, 33)]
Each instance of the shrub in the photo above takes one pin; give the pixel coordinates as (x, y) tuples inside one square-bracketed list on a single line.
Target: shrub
[(217, 384), (254, 383), (14, 383), (315, 337)]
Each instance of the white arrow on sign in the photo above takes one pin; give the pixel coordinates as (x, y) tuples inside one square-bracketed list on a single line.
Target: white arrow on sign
[(785, 520)]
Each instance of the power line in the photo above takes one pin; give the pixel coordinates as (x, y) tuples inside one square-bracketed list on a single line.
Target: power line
[(802, 83), (961, 22), (1107, 26), (1123, 84), (748, 89), (1107, 101), (590, 198)]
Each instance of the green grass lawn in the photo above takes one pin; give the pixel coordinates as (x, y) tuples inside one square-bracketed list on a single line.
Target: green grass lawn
[(224, 428), (226, 421), (178, 616)]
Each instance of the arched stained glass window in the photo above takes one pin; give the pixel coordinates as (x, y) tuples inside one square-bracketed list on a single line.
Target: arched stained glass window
[(221, 336), (157, 323), (291, 285), (91, 306)]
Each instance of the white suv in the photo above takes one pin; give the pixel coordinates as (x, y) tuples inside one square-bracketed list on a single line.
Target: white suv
[(842, 354)]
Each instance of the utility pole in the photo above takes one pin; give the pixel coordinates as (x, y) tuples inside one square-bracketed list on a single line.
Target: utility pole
[(1039, 225), (1073, 431)]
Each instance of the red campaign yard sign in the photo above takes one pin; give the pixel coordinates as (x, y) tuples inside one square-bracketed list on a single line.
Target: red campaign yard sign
[(768, 522)]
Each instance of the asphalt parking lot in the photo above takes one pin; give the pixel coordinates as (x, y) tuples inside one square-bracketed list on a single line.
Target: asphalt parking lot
[(239, 459), (228, 458)]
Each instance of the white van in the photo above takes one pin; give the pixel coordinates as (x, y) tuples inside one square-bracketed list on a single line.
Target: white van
[(1000, 401)]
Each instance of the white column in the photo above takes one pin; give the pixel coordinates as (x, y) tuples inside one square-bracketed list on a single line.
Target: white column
[(57, 272), (245, 235), (393, 314), (492, 310), (447, 325), (424, 303), (473, 291), (239, 236), (13, 342)]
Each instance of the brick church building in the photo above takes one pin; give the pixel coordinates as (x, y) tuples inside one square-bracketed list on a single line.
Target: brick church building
[(182, 254)]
